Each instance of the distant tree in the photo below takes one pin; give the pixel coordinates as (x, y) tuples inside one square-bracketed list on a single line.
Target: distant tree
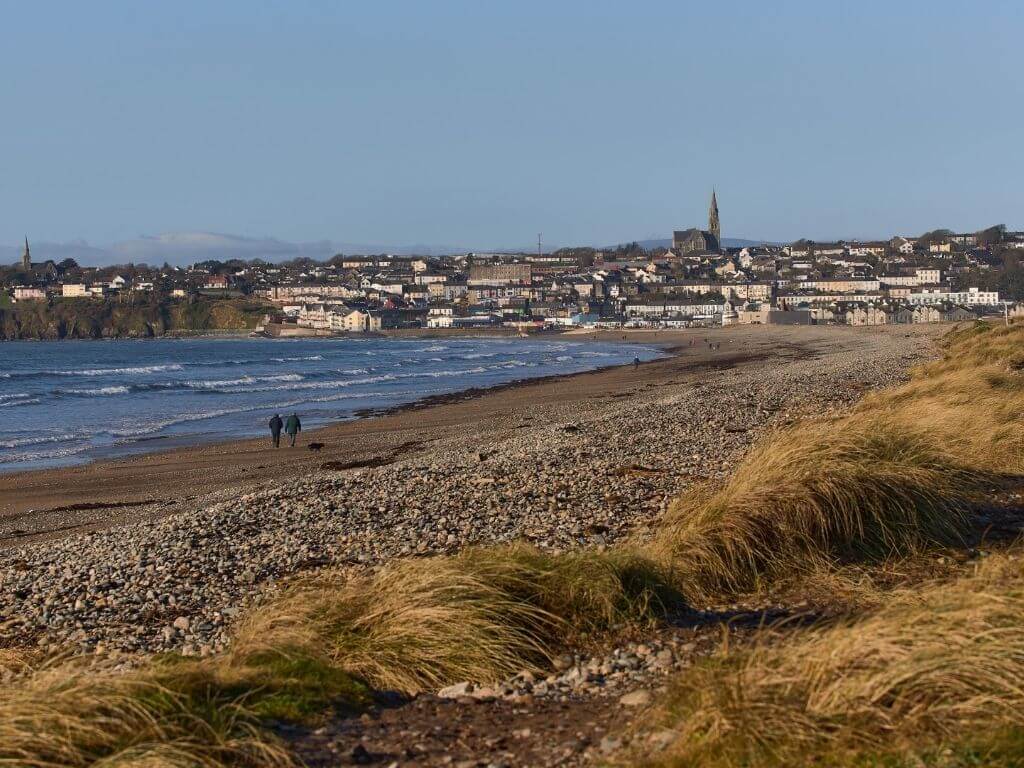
[(935, 236), (991, 236)]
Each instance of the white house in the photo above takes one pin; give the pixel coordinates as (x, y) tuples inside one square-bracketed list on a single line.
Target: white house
[(73, 290)]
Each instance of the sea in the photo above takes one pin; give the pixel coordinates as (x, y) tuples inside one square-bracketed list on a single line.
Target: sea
[(71, 402)]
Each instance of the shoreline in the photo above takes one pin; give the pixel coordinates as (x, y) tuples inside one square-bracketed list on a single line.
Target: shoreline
[(583, 461), (47, 503), (155, 444)]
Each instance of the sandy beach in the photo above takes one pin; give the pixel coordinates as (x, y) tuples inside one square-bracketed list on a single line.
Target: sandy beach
[(55, 502)]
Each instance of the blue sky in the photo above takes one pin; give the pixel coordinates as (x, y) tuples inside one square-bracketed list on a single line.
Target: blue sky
[(482, 123)]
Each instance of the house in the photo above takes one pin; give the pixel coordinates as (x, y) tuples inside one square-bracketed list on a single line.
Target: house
[(972, 297), (867, 249), (829, 250), (928, 276), (117, 283), (216, 282), (957, 314), (927, 314), (865, 314), (440, 316), (902, 245), (899, 280), (754, 313), (354, 321), (904, 315), (945, 247), (74, 290), (28, 293)]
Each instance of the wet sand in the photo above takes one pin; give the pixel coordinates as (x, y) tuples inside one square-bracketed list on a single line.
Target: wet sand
[(54, 502)]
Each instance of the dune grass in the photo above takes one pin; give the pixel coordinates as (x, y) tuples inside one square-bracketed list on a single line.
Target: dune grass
[(173, 711), (481, 615), (933, 677), (896, 476), (940, 666), (854, 488)]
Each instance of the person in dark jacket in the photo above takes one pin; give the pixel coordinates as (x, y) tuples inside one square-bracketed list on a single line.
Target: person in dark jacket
[(293, 426), (275, 429)]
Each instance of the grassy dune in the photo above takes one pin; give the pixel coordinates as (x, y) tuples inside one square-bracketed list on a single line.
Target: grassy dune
[(481, 615), (171, 712), (862, 487), (896, 476), (934, 677)]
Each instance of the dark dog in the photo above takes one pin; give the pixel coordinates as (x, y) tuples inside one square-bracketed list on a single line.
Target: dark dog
[(315, 446)]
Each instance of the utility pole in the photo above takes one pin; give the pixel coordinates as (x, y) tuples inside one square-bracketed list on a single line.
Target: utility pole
[(538, 243)]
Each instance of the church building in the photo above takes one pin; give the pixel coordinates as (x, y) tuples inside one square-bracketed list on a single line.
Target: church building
[(700, 240)]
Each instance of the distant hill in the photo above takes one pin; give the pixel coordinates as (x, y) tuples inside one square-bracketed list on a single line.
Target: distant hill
[(183, 248), (727, 242)]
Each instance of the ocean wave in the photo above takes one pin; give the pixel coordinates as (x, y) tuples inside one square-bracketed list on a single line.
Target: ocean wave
[(219, 383), (20, 458), (42, 440), (12, 403), (92, 372), (99, 391), (438, 374), (145, 429), (131, 371), (338, 384)]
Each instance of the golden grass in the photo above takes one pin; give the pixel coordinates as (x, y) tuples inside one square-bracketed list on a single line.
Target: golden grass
[(171, 711), (851, 488), (931, 666), (75, 715), (895, 476), (481, 615)]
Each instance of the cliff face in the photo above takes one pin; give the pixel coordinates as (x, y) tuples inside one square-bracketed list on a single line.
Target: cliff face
[(89, 319)]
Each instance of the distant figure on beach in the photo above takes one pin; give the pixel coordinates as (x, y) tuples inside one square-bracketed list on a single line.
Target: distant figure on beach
[(275, 429), (636, 363), (293, 426)]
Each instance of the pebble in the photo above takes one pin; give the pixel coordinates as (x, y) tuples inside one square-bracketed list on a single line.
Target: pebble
[(179, 582)]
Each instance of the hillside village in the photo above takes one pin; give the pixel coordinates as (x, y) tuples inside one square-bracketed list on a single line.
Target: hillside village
[(694, 281)]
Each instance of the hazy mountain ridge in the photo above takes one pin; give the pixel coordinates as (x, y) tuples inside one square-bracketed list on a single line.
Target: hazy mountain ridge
[(183, 248)]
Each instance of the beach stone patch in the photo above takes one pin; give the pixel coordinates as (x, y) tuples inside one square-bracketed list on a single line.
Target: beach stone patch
[(179, 582)]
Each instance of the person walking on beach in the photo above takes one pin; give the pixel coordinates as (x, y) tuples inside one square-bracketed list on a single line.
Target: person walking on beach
[(636, 363), (275, 429), (293, 426)]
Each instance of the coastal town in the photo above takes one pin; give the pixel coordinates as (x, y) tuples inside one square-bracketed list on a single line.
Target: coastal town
[(694, 280)]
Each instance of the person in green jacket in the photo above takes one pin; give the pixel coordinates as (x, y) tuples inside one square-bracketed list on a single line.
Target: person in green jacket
[(293, 426)]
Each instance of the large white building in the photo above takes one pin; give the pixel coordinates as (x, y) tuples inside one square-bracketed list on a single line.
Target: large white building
[(972, 297)]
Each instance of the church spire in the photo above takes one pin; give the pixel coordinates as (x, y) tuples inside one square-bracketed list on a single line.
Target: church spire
[(714, 226), (26, 257)]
